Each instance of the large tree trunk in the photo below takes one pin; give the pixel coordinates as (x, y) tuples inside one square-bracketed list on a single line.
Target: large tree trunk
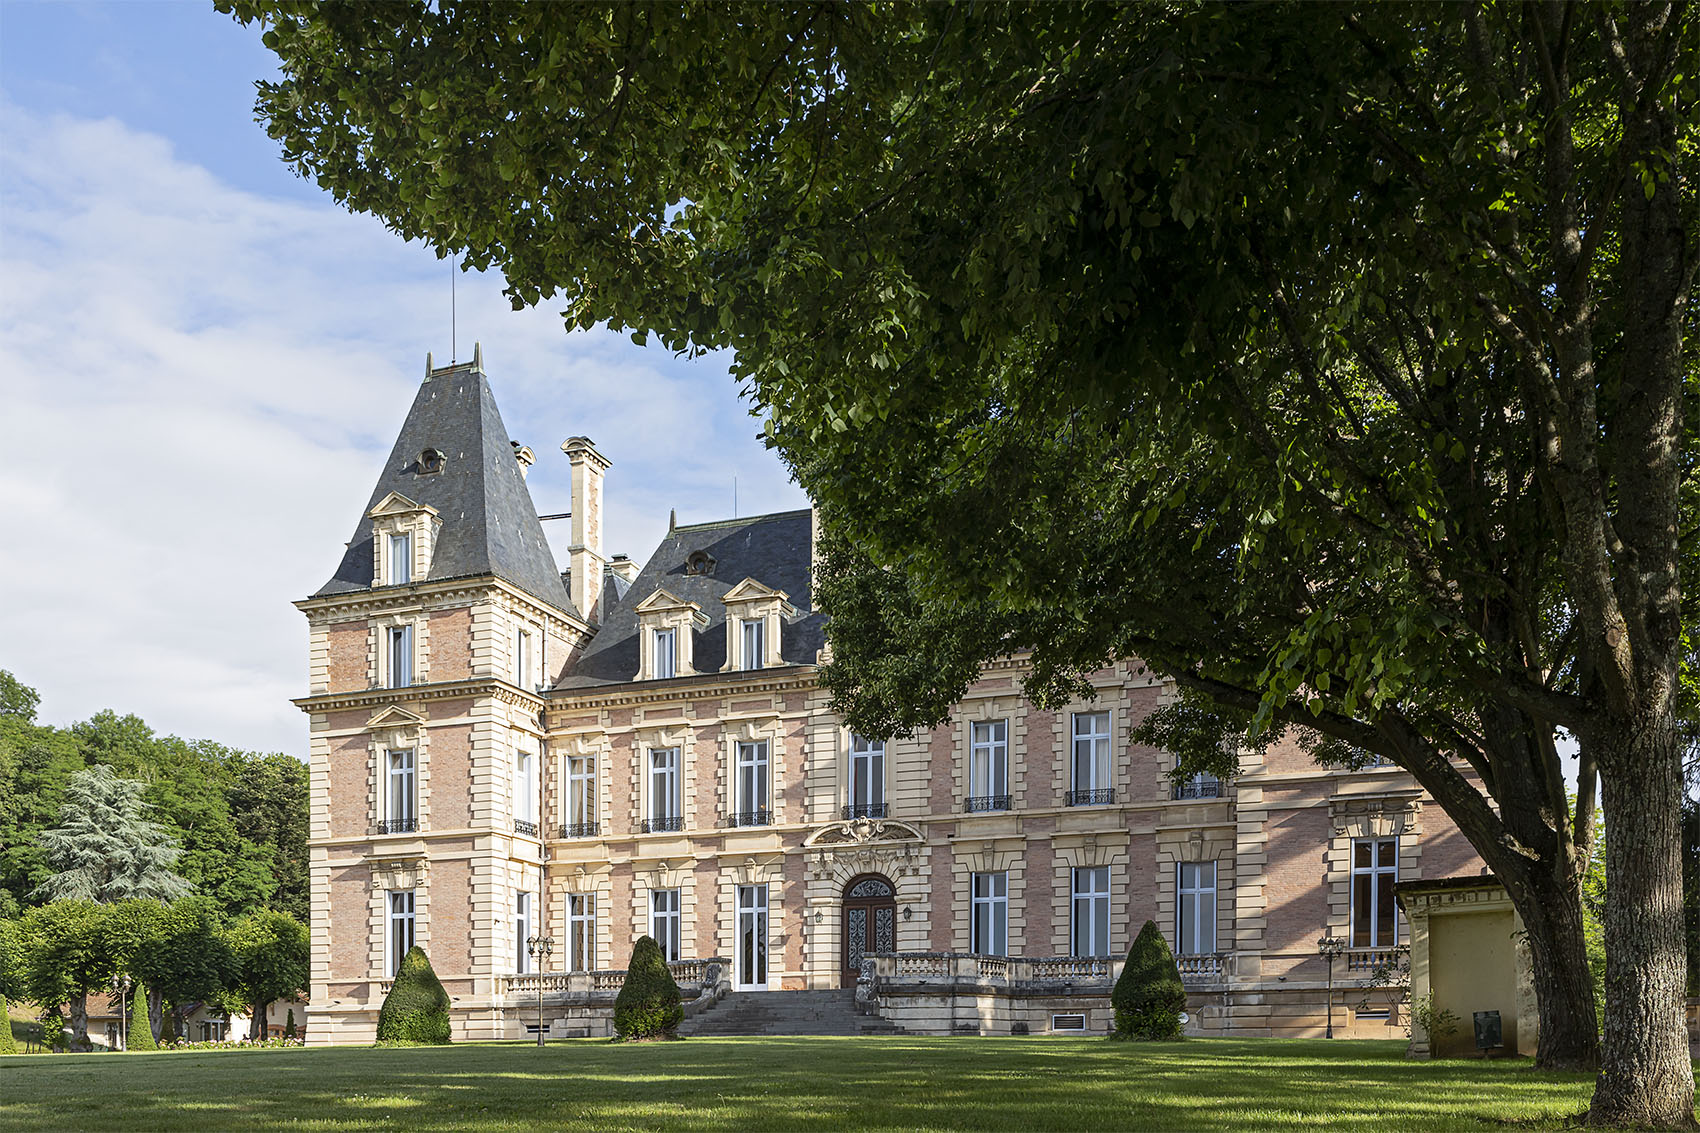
[(80, 1022), (1646, 1077), (1558, 954), (156, 1007), (257, 1025)]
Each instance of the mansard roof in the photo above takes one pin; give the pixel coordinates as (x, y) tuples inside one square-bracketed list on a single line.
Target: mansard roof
[(489, 524), (772, 549)]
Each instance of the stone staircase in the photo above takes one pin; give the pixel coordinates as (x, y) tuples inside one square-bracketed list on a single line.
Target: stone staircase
[(829, 1012)]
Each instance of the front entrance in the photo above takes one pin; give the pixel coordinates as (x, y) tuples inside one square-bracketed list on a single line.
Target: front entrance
[(751, 971), (870, 923)]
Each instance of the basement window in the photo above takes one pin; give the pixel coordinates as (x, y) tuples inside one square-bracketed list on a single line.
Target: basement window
[(1068, 1022)]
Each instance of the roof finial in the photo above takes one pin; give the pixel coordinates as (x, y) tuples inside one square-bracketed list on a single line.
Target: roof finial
[(672, 520), (478, 357), (427, 365)]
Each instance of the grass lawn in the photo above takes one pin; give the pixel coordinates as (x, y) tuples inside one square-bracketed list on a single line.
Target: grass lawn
[(791, 1083)]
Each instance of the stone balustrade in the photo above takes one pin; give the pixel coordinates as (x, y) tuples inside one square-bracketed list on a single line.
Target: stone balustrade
[(694, 977)]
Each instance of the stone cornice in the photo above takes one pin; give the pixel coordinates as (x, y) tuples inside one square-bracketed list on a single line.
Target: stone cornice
[(742, 682), (382, 599), (448, 690)]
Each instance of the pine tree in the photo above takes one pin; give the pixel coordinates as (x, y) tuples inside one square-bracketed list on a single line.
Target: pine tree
[(1149, 996), (105, 848), (648, 1004), (140, 1034), (289, 1025), (417, 1008)]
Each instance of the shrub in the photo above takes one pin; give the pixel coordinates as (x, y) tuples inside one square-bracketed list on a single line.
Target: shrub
[(140, 1034), (417, 1008), (289, 1025), (8, 1044), (1437, 1023), (1148, 997), (648, 1004)]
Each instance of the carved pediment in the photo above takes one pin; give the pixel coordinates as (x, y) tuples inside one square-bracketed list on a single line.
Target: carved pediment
[(394, 716), (862, 831), (397, 504), (582, 743)]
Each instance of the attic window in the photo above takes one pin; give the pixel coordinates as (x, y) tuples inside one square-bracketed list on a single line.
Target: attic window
[(430, 461), (699, 562)]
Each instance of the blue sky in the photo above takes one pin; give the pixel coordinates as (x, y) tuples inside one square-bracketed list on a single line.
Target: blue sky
[(205, 362)]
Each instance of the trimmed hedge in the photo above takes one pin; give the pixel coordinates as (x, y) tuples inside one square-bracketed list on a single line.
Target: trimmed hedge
[(1149, 997), (140, 1035), (417, 1008), (648, 1004)]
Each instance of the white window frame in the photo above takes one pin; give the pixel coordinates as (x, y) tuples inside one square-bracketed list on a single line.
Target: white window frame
[(664, 653), (989, 922), (665, 922), (1091, 751), (400, 927), (753, 772), (401, 798), (400, 547), (580, 952), (1374, 871), (866, 787), (1195, 934), (753, 654), (398, 656), (988, 758), (1089, 907), (581, 790), (525, 787), (752, 919), (666, 779), (522, 932), (522, 659)]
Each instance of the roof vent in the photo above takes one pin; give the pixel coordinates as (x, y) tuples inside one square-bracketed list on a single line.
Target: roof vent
[(430, 461), (699, 562)]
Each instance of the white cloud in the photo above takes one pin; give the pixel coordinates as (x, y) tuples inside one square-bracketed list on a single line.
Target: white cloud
[(199, 386)]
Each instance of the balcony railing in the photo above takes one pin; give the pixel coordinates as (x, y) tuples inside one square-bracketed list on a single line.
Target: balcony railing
[(863, 810), (1100, 797), (976, 804), (668, 824), (1199, 789), (525, 826), (1203, 968), (688, 974), (965, 967), (750, 818), (397, 825), (581, 830), (1367, 961)]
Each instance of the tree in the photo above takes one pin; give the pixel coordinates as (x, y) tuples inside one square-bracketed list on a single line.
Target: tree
[(1330, 360), (105, 848), (17, 699), (271, 956), (62, 961), (1148, 997), (139, 1034), (416, 1010), (9, 977), (648, 1004)]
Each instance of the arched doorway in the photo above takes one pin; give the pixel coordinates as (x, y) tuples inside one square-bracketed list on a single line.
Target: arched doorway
[(870, 922)]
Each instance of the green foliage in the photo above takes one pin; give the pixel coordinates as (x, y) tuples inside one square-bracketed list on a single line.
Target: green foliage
[(105, 848), (8, 1042), (417, 1008), (648, 1004), (17, 699), (61, 953), (140, 1033), (289, 1025), (271, 955), (1436, 1023), (1148, 997), (1691, 888)]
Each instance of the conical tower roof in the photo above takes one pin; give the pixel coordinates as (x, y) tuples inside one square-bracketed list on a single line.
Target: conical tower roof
[(489, 524)]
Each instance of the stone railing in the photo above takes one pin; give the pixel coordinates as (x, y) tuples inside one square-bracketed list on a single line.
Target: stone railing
[(889, 968), (1208, 968), (694, 977), (1365, 962)]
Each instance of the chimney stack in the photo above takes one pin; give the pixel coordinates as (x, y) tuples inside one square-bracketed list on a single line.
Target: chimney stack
[(585, 560)]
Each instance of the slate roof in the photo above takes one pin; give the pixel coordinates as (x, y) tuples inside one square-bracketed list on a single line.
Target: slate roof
[(489, 524), (772, 549)]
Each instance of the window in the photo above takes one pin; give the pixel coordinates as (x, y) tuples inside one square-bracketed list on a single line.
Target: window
[(1068, 1022), (400, 815), (1091, 764), (1195, 913), (212, 1030), (581, 932), (400, 936), (665, 807), (525, 794), (754, 631), (751, 786), (1375, 915), (522, 932), (666, 665), (581, 797), (401, 559), (867, 779), (522, 659), (664, 921), (1091, 935), (400, 656), (991, 914), (988, 765), (750, 963)]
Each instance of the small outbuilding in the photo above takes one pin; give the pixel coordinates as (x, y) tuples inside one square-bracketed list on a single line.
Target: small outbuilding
[(1469, 951)]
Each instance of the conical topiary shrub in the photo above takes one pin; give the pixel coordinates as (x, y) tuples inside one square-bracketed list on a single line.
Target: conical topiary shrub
[(8, 1044), (140, 1034), (289, 1025), (1148, 997), (417, 1008), (648, 1004)]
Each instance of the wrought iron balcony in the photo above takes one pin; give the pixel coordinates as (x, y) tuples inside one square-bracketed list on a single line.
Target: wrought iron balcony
[(397, 826), (669, 824), (525, 826), (1200, 789), (979, 803), (862, 810), (1100, 797), (581, 830), (750, 818)]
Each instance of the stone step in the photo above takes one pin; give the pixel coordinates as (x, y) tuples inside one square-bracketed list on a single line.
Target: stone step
[(826, 1012)]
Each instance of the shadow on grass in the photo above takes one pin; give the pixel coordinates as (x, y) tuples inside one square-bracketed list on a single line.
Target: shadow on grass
[(786, 1083)]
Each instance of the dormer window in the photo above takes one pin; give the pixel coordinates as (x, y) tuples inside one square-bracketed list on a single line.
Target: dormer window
[(404, 536), (666, 643), (699, 562), (755, 619), (430, 461), (401, 559), (665, 651), (752, 643)]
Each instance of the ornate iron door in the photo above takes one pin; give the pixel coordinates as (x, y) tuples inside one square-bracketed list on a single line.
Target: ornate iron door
[(870, 923)]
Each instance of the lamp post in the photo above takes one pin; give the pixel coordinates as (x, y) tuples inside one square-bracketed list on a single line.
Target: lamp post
[(121, 986), (1330, 947), (539, 948)]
